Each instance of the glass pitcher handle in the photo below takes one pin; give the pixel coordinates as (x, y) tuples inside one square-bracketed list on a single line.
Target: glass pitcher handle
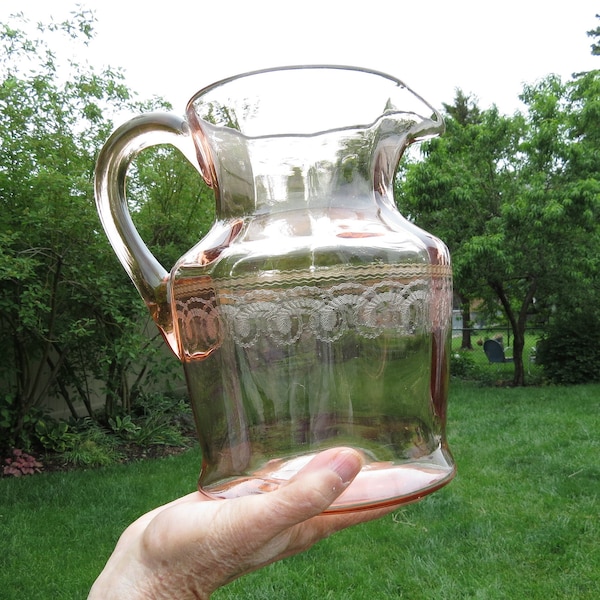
[(148, 275)]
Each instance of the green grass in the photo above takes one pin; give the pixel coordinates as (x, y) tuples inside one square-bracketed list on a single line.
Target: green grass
[(57, 529), (521, 519)]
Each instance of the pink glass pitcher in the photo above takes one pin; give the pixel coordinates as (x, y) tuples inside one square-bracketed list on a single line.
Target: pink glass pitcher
[(312, 315)]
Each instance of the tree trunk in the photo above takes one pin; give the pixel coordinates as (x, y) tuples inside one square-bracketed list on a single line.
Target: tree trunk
[(465, 306), (76, 382), (518, 325), (518, 345), (64, 392), (109, 399)]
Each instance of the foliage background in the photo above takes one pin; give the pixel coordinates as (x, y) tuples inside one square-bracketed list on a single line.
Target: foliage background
[(71, 323), (517, 200)]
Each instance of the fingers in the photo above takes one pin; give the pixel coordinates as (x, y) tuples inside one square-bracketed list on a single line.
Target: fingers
[(291, 519), (264, 528), (206, 543), (314, 488)]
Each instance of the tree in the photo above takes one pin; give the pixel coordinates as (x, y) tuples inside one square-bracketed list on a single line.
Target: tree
[(68, 313), (458, 186), (595, 33), (171, 206), (51, 257), (465, 112), (507, 197)]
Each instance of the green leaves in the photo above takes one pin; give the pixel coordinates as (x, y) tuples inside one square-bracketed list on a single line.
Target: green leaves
[(569, 352), (68, 314), (516, 198)]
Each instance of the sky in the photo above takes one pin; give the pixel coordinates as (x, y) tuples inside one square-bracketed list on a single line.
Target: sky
[(172, 48)]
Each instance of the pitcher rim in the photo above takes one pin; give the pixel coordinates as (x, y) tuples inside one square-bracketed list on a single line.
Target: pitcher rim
[(317, 66), (435, 116)]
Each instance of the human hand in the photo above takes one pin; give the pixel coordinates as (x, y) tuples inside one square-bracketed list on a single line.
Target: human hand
[(194, 545)]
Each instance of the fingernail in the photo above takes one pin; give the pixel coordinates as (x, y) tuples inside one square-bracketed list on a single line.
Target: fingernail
[(347, 464)]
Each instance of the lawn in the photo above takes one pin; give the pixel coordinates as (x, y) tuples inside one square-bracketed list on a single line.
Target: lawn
[(521, 519)]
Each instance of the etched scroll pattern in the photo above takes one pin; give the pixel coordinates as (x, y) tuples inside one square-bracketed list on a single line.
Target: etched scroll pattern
[(325, 313)]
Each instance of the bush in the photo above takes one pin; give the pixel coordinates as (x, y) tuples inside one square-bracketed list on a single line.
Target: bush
[(124, 427), (157, 420), (162, 420), (18, 431), (92, 451), (55, 436), (93, 446), (20, 463), (462, 364), (569, 352)]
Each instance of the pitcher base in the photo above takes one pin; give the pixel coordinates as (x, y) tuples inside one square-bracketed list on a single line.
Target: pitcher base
[(378, 484)]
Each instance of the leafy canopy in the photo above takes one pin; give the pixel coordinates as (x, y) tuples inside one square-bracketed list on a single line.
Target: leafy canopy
[(516, 198), (69, 316)]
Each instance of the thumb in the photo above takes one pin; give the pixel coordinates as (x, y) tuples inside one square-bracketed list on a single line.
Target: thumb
[(315, 487)]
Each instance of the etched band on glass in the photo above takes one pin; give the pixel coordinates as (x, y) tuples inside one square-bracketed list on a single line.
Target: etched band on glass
[(253, 310)]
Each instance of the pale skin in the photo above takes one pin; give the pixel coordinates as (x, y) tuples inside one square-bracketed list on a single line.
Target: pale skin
[(190, 547)]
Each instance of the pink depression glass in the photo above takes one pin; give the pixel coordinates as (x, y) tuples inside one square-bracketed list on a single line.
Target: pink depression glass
[(312, 315)]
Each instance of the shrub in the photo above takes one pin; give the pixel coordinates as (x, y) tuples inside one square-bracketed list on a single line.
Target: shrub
[(124, 427), (159, 430), (21, 463), (17, 431), (161, 420), (569, 352), (93, 447), (462, 364), (153, 429), (55, 436)]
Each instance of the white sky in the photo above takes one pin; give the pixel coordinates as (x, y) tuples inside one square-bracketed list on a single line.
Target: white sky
[(172, 48)]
